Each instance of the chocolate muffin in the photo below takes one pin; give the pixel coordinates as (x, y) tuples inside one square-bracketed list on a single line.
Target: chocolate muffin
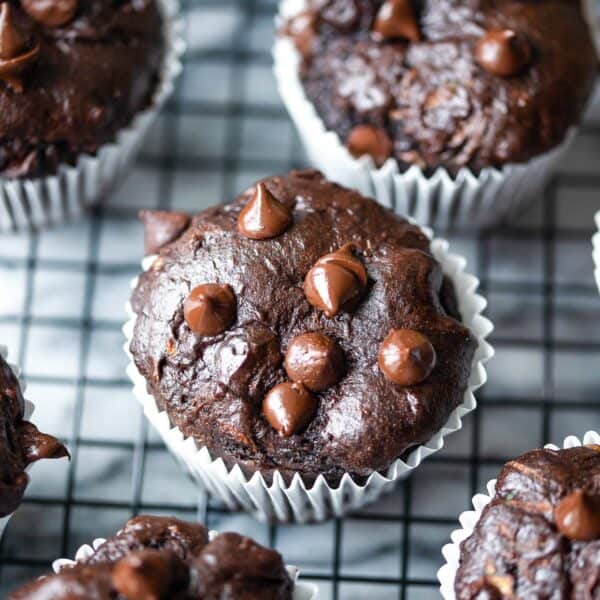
[(21, 444), (302, 328), (446, 83), (539, 537), (72, 74), (162, 558)]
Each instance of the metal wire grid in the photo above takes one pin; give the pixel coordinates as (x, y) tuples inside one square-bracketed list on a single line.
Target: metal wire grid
[(61, 294)]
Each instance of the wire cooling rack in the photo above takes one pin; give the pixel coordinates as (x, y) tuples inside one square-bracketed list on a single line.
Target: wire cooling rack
[(61, 310)]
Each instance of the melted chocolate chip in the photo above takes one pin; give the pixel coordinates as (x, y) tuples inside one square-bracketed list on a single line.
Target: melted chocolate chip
[(314, 360), (162, 227), (369, 140), (577, 516), (503, 53), (396, 19), (210, 309), (302, 29), (336, 282), (52, 13), (264, 216), (289, 408), (17, 52), (406, 357), (37, 445)]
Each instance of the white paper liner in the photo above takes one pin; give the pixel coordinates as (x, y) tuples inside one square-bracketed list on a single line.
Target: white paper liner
[(28, 412), (596, 250), (438, 200), (468, 520), (298, 502), (37, 203), (302, 590)]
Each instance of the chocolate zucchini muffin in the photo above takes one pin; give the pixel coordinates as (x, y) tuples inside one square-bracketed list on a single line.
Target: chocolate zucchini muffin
[(302, 328), (72, 73), (21, 444), (446, 82), (539, 537), (158, 558)]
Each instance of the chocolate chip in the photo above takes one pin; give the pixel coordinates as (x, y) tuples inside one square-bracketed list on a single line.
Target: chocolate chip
[(302, 29), (17, 52), (210, 309), (341, 14), (396, 19), (52, 13), (336, 282), (503, 53), (144, 575), (264, 216), (314, 360), (369, 140), (577, 516), (161, 227), (289, 408), (406, 357)]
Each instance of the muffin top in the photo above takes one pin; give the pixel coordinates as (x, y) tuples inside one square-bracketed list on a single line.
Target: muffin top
[(21, 444), (539, 537), (163, 558), (449, 83), (302, 328), (72, 73)]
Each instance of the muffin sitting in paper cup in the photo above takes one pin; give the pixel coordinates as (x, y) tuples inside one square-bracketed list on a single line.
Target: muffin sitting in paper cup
[(537, 535), (432, 105), (163, 558), (21, 444), (80, 81), (313, 345)]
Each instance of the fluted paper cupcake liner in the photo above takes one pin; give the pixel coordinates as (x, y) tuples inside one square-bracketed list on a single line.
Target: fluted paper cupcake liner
[(37, 203), (28, 412), (296, 501), (442, 200), (302, 590), (596, 250), (468, 520)]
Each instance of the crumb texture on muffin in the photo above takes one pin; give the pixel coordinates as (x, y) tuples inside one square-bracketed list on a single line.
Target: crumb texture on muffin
[(539, 537), (446, 82), (163, 558), (21, 444), (72, 73), (288, 377)]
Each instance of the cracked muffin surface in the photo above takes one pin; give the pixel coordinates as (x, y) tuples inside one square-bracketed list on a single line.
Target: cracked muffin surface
[(446, 83)]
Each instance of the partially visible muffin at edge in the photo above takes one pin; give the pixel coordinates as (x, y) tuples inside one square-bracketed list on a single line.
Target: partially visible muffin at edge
[(21, 444), (539, 537), (302, 328), (164, 558), (72, 74), (446, 82)]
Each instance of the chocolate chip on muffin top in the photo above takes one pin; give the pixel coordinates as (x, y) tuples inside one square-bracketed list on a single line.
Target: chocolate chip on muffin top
[(72, 73), (446, 82), (162, 558), (539, 537), (330, 344), (21, 444)]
